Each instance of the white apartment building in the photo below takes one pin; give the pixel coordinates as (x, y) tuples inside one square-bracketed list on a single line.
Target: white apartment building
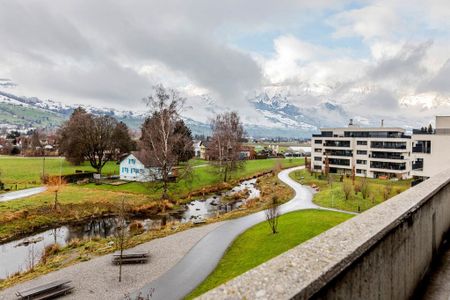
[(372, 152), (431, 151)]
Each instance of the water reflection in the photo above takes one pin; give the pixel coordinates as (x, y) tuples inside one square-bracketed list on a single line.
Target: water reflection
[(20, 255)]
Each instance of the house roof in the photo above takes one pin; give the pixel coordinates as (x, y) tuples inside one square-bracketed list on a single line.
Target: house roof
[(142, 156)]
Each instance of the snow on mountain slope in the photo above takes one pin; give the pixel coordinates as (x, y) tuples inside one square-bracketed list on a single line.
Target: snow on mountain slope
[(273, 113)]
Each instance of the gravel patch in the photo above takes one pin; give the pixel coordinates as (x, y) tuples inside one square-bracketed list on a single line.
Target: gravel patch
[(98, 278)]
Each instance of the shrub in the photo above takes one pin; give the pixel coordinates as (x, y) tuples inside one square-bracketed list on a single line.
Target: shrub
[(347, 189), (49, 251), (357, 188), (136, 227), (387, 191), (365, 188)]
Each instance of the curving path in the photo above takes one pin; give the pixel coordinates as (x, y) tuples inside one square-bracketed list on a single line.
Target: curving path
[(22, 193), (202, 259)]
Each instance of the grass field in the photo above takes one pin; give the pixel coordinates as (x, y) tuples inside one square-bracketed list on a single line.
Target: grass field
[(332, 195), (258, 244), (202, 177), (28, 170), (28, 214)]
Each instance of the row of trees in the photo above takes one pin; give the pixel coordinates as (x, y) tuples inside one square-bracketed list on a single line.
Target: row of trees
[(165, 139)]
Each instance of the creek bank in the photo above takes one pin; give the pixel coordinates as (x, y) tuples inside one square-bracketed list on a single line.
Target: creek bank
[(21, 255)]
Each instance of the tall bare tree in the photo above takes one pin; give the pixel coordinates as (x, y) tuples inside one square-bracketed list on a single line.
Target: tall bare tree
[(71, 143), (226, 141), (121, 234), (160, 141), (91, 137)]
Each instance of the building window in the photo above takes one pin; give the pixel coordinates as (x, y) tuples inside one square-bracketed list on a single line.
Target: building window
[(316, 167), (362, 143), (317, 158), (319, 150), (361, 162), (318, 142), (361, 152)]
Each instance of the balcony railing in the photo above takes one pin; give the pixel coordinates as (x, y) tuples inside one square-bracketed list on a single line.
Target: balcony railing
[(417, 166), (394, 157), (387, 146), (421, 149), (388, 166)]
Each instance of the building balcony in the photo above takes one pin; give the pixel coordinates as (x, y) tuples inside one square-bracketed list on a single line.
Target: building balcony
[(417, 166), (421, 149), (388, 156), (340, 166)]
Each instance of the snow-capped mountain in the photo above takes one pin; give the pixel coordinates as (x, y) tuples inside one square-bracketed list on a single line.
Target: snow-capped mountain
[(270, 114)]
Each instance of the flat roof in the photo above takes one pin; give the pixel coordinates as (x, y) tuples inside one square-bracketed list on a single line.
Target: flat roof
[(364, 129)]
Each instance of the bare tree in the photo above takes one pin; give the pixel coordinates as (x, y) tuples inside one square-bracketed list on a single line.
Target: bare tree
[(272, 214), (226, 141), (121, 234), (36, 145), (278, 167), (70, 141), (159, 140), (86, 136), (54, 184)]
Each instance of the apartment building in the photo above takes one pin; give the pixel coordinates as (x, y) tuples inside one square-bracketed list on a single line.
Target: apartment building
[(372, 152), (431, 150)]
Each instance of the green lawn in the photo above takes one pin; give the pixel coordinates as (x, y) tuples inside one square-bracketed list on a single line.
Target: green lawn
[(332, 195), (202, 177), (258, 244), (28, 170)]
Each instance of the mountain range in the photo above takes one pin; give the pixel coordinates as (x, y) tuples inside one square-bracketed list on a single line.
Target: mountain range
[(268, 114)]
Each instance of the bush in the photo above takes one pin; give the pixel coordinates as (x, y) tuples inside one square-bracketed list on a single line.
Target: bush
[(347, 189), (136, 228), (50, 251)]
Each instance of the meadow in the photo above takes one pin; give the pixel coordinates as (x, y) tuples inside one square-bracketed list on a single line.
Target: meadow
[(27, 171), (332, 194), (203, 177)]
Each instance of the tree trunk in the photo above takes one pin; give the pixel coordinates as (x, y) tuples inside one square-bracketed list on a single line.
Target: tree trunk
[(225, 174), (56, 200)]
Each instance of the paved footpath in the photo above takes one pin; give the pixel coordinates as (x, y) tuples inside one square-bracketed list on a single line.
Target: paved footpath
[(22, 193), (178, 263), (97, 279), (202, 259)]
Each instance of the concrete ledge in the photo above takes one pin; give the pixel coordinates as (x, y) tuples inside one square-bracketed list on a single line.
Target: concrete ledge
[(382, 253)]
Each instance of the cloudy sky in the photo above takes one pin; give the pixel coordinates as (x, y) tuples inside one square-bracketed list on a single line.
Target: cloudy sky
[(390, 56)]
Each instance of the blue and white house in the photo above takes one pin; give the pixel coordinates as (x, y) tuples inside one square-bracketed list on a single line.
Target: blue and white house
[(134, 168)]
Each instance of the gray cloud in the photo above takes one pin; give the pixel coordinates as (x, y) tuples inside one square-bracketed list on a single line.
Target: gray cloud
[(93, 49), (440, 82), (406, 65)]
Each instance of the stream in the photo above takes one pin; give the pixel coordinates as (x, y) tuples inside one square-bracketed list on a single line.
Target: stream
[(20, 255)]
